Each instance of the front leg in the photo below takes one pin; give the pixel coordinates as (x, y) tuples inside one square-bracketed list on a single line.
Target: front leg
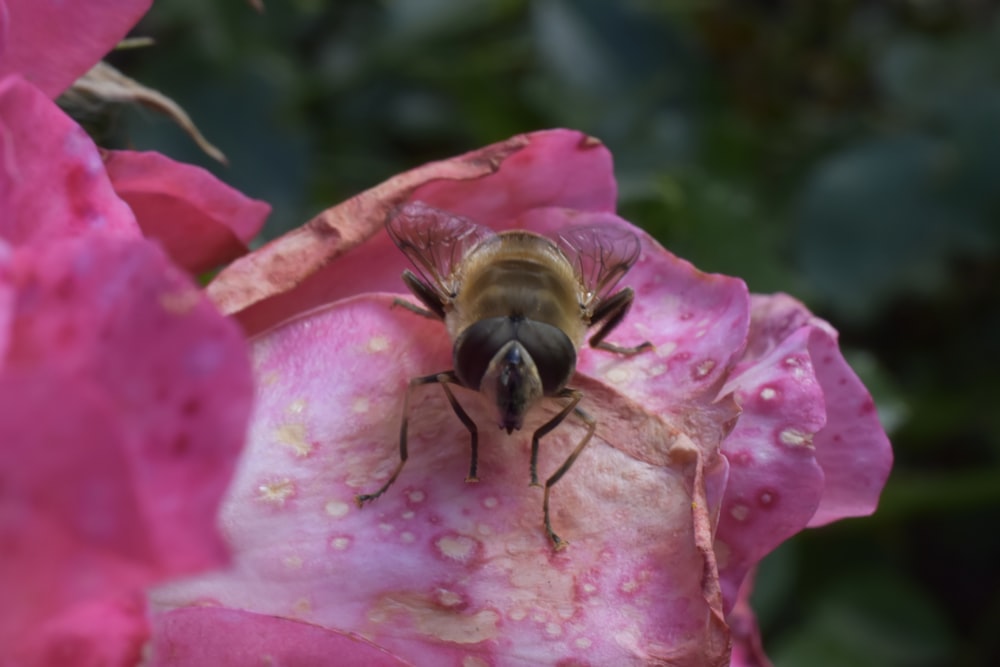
[(440, 378)]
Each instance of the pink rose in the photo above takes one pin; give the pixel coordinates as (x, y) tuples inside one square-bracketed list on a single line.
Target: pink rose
[(742, 427), (125, 394)]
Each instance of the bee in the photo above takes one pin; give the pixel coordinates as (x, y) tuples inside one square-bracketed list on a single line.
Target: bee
[(517, 307)]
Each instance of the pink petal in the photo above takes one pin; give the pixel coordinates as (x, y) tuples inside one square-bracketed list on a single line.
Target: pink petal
[(437, 570), (747, 648), (775, 482), (103, 632), (852, 448), (217, 637), (297, 272), (52, 42), (201, 221), (125, 401), (808, 448), (52, 179)]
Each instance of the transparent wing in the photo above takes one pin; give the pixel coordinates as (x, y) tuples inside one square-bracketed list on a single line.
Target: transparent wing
[(435, 241), (601, 254)]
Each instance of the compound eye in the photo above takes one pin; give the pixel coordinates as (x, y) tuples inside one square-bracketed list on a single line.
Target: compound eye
[(552, 351), (476, 347)]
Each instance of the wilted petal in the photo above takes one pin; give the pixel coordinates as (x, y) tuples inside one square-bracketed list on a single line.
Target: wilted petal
[(201, 221), (52, 179), (52, 42), (438, 570), (557, 168), (297, 272), (218, 637), (125, 400)]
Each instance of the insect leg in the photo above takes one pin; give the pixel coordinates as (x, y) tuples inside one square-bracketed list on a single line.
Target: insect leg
[(427, 296), (612, 311), (469, 424), (547, 427), (557, 542), (414, 383)]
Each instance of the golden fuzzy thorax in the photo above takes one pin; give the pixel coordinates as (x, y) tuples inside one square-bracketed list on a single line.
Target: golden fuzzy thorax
[(518, 274)]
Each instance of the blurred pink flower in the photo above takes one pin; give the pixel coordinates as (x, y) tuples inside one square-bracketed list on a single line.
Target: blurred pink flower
[(125, 393), (741, 428)]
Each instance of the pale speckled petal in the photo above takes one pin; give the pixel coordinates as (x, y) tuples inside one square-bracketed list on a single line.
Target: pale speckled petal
[(438, 570)]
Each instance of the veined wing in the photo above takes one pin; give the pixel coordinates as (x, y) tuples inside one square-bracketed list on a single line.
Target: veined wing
[(435, 241), (601, 254)]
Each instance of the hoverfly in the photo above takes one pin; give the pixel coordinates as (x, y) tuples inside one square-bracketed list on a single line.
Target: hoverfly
[(517, 307)]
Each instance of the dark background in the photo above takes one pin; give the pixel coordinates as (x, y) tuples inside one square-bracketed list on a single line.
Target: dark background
[(846, 152)]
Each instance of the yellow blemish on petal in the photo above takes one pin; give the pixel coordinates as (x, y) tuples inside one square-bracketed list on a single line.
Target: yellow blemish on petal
[(377, 344), (301, 607), (739, 512), (426, 615), (293, 436), (361, 405), (630, 586), (276, 492), (796, 438), (336, 509), (269, 378)]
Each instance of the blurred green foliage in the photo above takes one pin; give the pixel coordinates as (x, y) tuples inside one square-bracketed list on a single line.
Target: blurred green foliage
[(845, 151)]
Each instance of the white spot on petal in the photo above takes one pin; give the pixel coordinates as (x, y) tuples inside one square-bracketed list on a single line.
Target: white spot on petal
[(377, 344), (739, 512), (767, 393), (336, 509)]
